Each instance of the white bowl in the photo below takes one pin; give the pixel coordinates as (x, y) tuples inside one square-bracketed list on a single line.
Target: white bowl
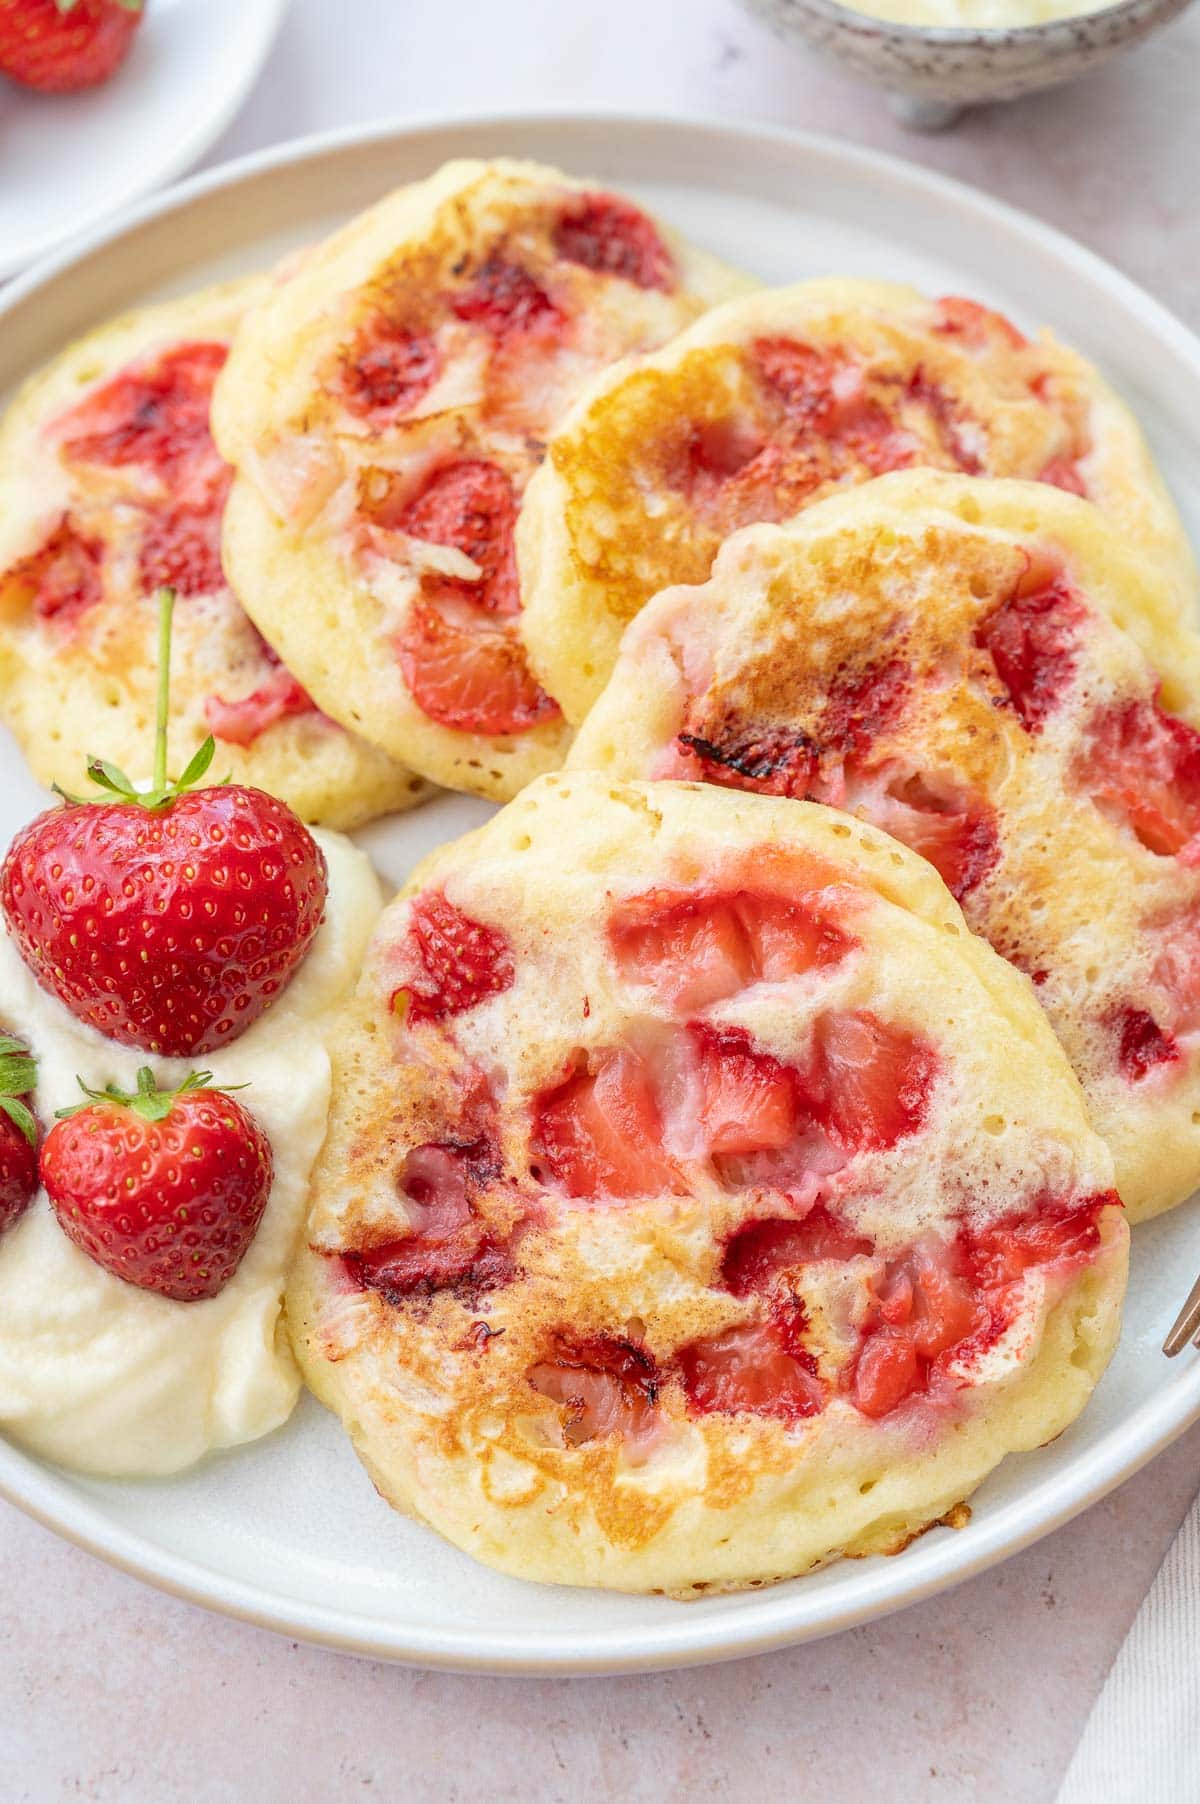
[(931, 72)]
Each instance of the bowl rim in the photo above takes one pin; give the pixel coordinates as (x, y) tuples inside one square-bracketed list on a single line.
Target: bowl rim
[(1052, 34)]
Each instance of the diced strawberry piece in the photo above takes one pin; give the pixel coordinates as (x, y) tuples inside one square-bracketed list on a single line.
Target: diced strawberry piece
[(1177, 967), (956, 834), (181, 548), (505, 300), (886, 1372), (824, 396), (1142, 1045), (863, 706), (606, 1386), (62, 579), (959, 433), (1032, 640), (243, 721), (613, 238), (462, 961), (449, 1247), (940, 1301), (471, 678), (155, 414), (974, 325), (387, 370), (758, 1252), (867, 1081), (1144, 765), (1054, 1233), (696, 949), (780, 761), (471, 506), (760, 1368), (945, 1310), (600, 1132), (1063, 472), (749, 1101)]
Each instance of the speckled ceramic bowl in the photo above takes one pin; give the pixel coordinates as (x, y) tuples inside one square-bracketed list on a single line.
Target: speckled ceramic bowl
[(932, 72)]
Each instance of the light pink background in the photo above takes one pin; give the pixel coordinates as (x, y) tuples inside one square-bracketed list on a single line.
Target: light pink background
[(109, 1692)]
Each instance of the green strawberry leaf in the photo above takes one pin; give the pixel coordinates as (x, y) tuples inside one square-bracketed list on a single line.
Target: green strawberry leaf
[(147, 1100), (20, 1116)]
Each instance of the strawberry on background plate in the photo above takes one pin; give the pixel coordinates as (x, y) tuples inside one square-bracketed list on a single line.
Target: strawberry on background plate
[(18, 1130), (163, 1188), (60, 46), (168, 919)]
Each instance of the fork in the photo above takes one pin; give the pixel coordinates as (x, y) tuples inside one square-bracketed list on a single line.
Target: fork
[(1187, 1325)]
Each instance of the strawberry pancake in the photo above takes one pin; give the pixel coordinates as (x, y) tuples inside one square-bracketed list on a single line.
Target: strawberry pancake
[(111, 486), (385, 408), (701, 1199), (771, 402), (987, 672)]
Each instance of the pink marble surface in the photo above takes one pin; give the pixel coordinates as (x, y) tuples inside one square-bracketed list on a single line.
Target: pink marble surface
[(110, 1692)]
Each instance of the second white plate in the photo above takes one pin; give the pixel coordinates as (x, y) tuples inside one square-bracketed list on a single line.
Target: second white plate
[(69, 159), (289, 1532)]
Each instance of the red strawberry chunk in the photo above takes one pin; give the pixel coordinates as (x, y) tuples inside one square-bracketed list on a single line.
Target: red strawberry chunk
[(1055, 1233), (863, 706), (471, 506), (780, 761), (473, 679), (1177, 966), (758, 1367), (1142, 1045), (925, 1306), (824, 397), (758, 1253), (181, 547), (505, 301), (155, 414), (749, 1101), (1032, 640), (1143, 765), (599, 1134), (387, 369), (60, 48), (868, 1082), (450, 1248), (243, 721), (886, 1372), (461, 961), (605, 1386), (1063, 472), (613, 238), (695, 949), (957, 834), (975, 326), (62, 579)]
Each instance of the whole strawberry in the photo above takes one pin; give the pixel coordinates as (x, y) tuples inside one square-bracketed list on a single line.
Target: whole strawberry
[(18, 1130), (168, 920), (59, 46), (164, 1188)]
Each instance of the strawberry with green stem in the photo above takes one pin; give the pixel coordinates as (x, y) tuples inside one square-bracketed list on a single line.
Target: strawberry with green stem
[(163, 1188), (18, 1130), (168, 919)]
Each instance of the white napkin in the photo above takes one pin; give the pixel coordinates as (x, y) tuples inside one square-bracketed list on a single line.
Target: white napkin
[(1141, 1743)]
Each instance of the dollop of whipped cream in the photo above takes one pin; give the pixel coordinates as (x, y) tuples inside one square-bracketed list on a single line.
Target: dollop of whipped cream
[(116, 1381)]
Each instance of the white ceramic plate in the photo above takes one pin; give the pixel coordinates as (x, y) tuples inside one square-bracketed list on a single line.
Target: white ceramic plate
[(67, 160), (289, 1532)]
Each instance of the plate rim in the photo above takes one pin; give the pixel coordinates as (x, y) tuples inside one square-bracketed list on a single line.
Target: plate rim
[(187, 150), (762, 1620)]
